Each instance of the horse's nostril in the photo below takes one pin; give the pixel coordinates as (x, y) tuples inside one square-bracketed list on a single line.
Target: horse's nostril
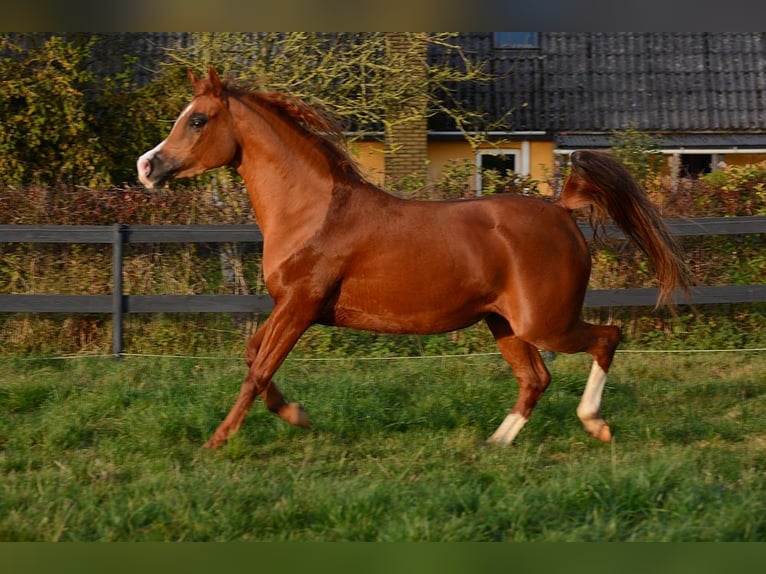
[(144, 166)]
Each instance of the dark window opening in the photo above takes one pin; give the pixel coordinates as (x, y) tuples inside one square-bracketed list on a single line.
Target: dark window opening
[(504, 164), (497, 172), (695, 164)]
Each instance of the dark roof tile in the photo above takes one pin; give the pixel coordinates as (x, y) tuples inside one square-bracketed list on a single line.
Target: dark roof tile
[(652, 81)]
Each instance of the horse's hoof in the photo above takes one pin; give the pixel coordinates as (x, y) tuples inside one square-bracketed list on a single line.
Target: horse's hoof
[(296, 415), (604, 435), (213, 444), (598, 429)]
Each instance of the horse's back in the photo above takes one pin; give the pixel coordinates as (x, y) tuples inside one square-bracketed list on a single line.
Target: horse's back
[(514, 230)]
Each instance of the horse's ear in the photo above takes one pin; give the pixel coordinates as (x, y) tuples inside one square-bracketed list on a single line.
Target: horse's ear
[(215, 81), (192, 77)]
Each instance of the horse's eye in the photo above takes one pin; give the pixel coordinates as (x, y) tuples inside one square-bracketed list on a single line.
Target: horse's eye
[(198, 120)]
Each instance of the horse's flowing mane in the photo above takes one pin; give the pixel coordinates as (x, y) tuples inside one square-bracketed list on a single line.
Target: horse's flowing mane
[(315, 122)]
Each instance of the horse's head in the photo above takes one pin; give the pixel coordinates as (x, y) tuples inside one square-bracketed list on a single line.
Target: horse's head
[(202, 137)]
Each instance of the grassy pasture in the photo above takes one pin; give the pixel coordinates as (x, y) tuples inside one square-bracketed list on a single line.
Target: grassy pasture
[(96, 450)]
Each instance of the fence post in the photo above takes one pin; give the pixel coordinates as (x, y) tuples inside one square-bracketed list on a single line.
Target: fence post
[(117, 295)]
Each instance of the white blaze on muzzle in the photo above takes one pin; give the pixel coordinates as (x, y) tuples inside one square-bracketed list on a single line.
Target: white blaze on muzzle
[(145, 166)]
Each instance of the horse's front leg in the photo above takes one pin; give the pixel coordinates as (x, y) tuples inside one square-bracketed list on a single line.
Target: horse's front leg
[(275, 401), (272, 344)]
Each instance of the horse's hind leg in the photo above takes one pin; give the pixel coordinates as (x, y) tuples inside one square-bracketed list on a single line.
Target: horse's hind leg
[(590, 404), (600, 341), (604, 343), (531, 373)]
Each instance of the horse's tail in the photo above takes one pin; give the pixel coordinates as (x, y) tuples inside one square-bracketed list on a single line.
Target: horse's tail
[(599, 181)]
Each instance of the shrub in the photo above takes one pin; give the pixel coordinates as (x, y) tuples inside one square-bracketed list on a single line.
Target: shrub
[(640, 154), (735, 190), (45, 135), (63, 123)]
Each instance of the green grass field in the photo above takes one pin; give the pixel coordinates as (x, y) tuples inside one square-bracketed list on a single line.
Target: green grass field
[(97, 450)]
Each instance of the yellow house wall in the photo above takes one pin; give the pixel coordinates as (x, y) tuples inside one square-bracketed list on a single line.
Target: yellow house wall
[(541, 167), (371, 158), (440, 154), (370, 155), (741, 159)]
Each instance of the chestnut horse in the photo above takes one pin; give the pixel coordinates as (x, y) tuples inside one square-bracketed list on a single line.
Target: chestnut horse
[(340, 251)]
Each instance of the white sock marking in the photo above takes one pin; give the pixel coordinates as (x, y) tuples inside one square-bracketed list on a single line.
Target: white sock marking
[(508, 429), (591, 397)]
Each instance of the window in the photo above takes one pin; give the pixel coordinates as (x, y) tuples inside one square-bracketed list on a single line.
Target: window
[(501, 161), (695, 164), (503, 165), (510, 40)]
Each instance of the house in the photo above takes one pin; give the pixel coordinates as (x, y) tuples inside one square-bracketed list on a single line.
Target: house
[(701, 96)]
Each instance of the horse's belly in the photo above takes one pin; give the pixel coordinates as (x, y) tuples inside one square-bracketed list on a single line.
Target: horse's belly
[(418, 309), (404, 323)]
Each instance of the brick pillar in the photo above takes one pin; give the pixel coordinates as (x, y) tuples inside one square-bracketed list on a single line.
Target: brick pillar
[(407, 155), (406, 167)]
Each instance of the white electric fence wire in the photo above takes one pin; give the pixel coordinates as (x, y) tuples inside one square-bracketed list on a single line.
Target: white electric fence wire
[(397, 358)]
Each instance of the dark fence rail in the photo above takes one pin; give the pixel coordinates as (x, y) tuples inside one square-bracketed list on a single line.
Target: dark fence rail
[(118, 303)]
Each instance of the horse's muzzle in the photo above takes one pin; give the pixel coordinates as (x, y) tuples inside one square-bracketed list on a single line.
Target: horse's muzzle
[(144, 167), (152, 170)]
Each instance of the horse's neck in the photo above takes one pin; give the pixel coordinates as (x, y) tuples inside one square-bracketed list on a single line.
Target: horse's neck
[(288, 181)]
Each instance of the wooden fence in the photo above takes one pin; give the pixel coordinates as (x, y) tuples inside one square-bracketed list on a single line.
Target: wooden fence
[(118, 303)]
